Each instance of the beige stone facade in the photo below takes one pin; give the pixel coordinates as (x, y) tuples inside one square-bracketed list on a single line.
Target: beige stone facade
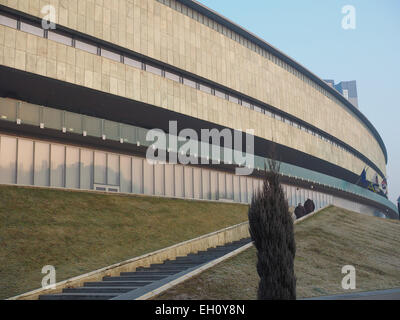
[(157, 31)]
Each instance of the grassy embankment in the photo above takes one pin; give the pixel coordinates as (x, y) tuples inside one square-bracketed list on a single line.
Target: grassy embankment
[(325, 243), (78, 232)]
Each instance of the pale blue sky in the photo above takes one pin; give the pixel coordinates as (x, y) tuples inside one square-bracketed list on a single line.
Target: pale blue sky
[(310, 31)]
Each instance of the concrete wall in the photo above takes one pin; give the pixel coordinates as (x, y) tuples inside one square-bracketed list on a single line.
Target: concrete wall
[(157, 31), (356, 207), (39, 163)]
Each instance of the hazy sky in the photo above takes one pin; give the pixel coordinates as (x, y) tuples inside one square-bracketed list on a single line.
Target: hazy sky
[(310, 31)]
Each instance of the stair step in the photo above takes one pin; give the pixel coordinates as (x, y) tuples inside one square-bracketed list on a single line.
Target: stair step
[(134, 278), (178, 262), (169, 266), (104, 289), (79, 296), (117, 284), (148, 272), (165, 269), (190, 261)]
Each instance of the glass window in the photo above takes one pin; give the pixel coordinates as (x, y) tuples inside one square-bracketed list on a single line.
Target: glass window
[(219, 94), (258, 109), (233, 99), (111, 130), (172, 76), (205, 89), (128, 133), (189, 83), (133, 63), (8, 110), (86, 47), (29, 114), (141, 137), (9, 22), (52, 118), (60, 38), (153, 70), (93, 126), (32, 29), (246, 104), (73, 122), (110, 55)]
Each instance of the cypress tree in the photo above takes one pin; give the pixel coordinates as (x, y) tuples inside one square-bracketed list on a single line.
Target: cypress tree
[(271, 229)]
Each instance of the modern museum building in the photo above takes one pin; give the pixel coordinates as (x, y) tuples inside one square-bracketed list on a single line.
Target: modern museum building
[(79, 98)]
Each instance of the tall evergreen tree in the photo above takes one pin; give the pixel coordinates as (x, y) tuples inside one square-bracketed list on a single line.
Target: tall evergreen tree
[(272, 232)]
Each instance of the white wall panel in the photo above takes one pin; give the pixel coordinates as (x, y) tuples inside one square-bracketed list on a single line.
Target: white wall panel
[(57, 165), (159, 183), (188, 182), (179, 181), (229, 186), (243, 189), (100, 167), (302, 196), (214, 185), (126, 174), (86, 179), (25, 162), (197, 184), (222, 185), (148, 178), (256, 185), (249, 189), (236, 188), (206, 184), (8, 160), (42, 164), (137, 175), (72, 168), (113, 169), (169, 180)]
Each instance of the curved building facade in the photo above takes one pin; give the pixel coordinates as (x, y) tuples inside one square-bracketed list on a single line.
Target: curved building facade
[(77, 103)]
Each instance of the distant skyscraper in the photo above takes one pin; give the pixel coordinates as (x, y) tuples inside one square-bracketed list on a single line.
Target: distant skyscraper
[(347, 88), (331, 83)]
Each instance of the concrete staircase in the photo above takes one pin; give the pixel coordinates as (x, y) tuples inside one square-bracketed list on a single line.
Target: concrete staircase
[(129, 285)]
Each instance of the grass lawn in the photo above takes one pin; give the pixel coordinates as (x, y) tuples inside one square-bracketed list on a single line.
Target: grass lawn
[(325, 243), (78, 232)]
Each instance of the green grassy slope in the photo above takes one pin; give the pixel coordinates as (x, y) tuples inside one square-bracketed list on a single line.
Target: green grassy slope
[(78, 232), (325, 243)]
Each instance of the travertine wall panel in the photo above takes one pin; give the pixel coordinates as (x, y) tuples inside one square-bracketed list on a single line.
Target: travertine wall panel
[(155, 30)]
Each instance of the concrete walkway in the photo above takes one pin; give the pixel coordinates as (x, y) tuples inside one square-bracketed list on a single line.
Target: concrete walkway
[(390, 294)]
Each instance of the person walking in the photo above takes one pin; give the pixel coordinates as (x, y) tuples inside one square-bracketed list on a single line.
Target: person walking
[(299, 211)]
